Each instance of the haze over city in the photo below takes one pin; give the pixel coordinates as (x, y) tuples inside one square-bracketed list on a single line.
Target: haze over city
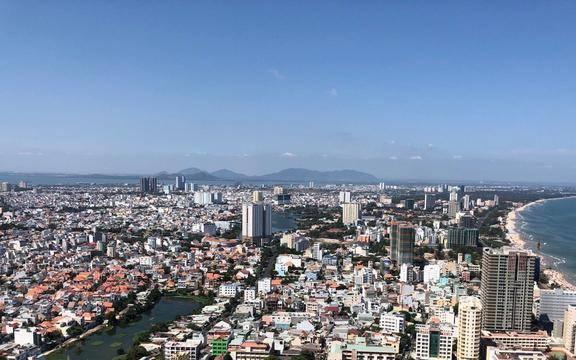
[(401, 90)]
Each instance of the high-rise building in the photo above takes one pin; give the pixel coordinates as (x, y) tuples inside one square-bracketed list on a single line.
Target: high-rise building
[(429, 201), (507, 289), (469, 328), (278, 190), (454, 194), (466, 203), (467, 221), (553, 305), (257, 196), (345, 197), (111, 250), (317, 251), (453, 208), (190, 187), (402, 238), (180, 183), (408, 204), (5, 186), (496, 200), (569, 332), (350, 213), (207, 198), (148, 185), (256, 222), (462, 237), (282, 198)]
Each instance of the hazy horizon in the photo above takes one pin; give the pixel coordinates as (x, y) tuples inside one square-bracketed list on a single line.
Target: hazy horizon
[(418, 90)]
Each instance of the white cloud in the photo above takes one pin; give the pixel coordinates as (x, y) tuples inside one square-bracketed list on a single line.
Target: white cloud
[(457, 157), (288, 154), (277, 74), (196, 153), (416, 157), (393, 157), (333, 92)]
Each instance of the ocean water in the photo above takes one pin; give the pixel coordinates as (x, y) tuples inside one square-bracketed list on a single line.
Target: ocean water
[(553, 224), (130, 180)]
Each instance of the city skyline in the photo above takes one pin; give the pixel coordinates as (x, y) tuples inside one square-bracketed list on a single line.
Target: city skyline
[(431, 91), (287, 180)]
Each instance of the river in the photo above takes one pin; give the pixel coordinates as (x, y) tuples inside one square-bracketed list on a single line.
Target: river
[(105, 344)]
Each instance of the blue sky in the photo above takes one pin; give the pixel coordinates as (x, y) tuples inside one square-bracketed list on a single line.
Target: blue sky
[(401, 89)]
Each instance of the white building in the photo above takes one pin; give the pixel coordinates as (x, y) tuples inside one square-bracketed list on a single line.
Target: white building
[(179, 350), (345, 197), (553, 304), (264, 285), (392, 323), (317, 252), (228, 290), (27, 336), (431, 273), (469, 328), (249, 295)]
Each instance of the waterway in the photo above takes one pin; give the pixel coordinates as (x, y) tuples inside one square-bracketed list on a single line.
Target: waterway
[(106, 343), (553, 224)]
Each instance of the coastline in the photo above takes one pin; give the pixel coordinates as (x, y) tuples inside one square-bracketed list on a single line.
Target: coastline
[(555, 276)]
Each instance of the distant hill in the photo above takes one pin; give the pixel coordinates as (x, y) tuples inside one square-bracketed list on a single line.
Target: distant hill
[(191, 171), (226, 174), (300, 175), (190, 174), (293, 174)]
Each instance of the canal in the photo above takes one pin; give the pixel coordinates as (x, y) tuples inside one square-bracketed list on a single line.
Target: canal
[(106, 343)]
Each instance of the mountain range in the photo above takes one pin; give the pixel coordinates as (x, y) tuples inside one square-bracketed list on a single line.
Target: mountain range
[(292, 174)]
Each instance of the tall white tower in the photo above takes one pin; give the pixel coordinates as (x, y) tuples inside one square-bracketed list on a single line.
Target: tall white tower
[(469, 327)]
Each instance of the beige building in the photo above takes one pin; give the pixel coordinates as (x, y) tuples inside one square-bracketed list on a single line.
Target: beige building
[(469, 328), (350, 213), (538, 340), (570, 328), (257, 196)]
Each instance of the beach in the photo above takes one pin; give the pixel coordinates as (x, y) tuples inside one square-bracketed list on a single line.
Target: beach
[(516, 240)]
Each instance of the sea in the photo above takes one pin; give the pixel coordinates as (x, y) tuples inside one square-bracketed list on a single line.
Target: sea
[(121, 180), (55, 179), (552, 223)]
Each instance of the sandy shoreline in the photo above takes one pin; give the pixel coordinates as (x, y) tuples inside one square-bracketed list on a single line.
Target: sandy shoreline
[(517, 241)]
